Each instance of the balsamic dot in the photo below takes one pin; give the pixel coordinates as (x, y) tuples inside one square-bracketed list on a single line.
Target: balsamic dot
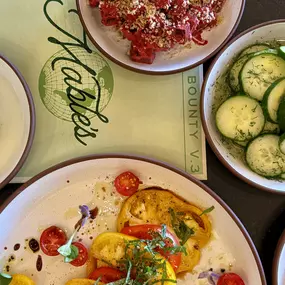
[(17, 246)]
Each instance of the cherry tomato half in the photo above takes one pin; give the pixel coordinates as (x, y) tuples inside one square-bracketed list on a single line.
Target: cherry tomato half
[(82, 255), (230, 279), (147, 232), (51, 239), (127, 183), (107, 274)]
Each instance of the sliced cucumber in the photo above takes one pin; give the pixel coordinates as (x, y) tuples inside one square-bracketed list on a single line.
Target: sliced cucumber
[(282, 176), (281, 52), (282, 143), (253, 49), (234, 73), (240, 118), (242, 144), (271, 128), (272, 99), (281, 114), (259, 72), (264, 157)]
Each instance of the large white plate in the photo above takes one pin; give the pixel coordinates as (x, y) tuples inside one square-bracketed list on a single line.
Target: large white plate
[(177, 60), (44, 200), (17, 121)]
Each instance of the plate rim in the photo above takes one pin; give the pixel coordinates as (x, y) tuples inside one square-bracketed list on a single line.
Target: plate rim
[(148, 72), (276, 259), (32, 126), (156, 162), (202, 111)]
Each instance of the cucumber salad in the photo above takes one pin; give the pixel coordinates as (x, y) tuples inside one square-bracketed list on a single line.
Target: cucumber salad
[(253, 117)]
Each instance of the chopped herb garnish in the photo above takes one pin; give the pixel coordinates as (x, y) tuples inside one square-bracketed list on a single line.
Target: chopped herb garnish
[(207, 211), (180, 228), (97, 281), (141, 256)]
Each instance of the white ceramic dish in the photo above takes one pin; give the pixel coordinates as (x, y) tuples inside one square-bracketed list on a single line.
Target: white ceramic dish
[(278, 270), (230, 155), (165, 63), (45, 200), (17, 121)]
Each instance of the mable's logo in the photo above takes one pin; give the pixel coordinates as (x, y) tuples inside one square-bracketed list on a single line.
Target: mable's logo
[(76, 83)]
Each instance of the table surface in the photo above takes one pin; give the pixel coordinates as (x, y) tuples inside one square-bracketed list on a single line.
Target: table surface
[(262, 213)]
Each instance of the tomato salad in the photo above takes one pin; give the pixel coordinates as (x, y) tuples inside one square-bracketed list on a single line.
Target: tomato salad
[(158, 25), (144, 253)]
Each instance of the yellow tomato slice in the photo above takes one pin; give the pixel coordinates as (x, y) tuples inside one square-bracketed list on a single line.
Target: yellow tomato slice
[(20, 279)]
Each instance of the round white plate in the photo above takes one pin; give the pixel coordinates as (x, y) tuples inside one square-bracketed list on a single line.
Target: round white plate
[(278, 272), (46, 199), (229, 154), (174, 61), (17, 121)]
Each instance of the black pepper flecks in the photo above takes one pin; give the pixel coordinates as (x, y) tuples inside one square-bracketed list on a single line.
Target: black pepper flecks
[(11, 258), (7, 268), (17, 246), (5, 248), (39, 263), (223, 270)]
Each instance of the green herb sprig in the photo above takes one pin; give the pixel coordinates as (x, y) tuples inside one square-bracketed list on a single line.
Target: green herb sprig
[(207, 211), (141, 256), (180, 228)]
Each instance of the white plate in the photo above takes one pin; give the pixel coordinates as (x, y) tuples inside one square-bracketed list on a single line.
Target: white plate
[(278, 273), (46, 199), (165, 63), (17, 121), (231, 156)]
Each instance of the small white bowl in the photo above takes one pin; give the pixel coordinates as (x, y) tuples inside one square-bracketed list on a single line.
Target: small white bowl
[(170, 62), (233, 157)]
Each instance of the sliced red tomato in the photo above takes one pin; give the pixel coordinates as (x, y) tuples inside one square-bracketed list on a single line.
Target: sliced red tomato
[(127, 183), (82, 255), (107, 274), (148, 232), (230, 279), (51, 239)]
